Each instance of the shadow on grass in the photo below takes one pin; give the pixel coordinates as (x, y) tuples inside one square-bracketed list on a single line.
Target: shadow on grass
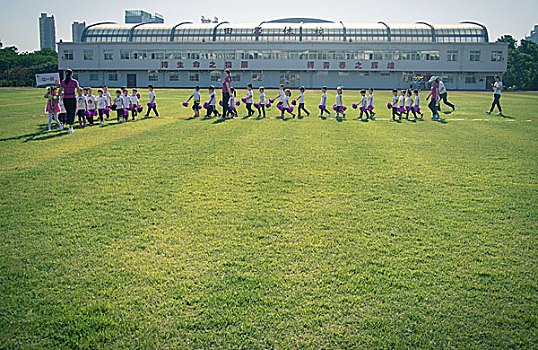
[(42, 131), (219, 120), (506, 117)]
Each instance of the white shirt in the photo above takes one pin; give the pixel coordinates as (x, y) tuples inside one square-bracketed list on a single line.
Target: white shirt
[(401, 101), (231, 101), (281, 96), (213, 99), (134, 100), (262, 97), (61, 104), (286, 103), (250, 96), (126, 100), (301, 97), (417, 100), (152, 97), (323, 101), (108, 97), (442, 88), (101, 102), (364, 101), (81, 103), (196, 96), (370, 100), (395, 101), (91, 102), (118, 101), (409, 101), (339, 100), (498, 87)]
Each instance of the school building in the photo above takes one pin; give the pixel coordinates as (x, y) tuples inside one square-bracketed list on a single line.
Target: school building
[(294, 51)]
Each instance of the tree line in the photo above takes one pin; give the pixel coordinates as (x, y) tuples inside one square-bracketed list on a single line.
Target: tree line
[(18, 68)]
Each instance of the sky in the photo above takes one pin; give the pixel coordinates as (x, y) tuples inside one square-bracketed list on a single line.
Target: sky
[(19, 24)]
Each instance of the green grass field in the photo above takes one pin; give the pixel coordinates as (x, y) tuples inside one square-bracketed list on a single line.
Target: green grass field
[(169, 233)]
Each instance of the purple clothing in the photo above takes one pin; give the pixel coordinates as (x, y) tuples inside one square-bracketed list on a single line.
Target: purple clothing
[(69, 88), (434, 90), (224, 87)]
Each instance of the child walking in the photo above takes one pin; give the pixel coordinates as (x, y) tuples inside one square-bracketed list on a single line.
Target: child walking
[(395, 105), (118, 103), (152, 102), (102, 103), (134, 103), (370, 103), (301, 103), (92, 105), (261, 107), (323, 103), (286, 107), (126, 99), (339, 103), (195, 96), (82, 107), (53, 107), (249, 100), (363, 105), (409, 105), (416, 107), (212, 102), (62, 116), (231, 103)]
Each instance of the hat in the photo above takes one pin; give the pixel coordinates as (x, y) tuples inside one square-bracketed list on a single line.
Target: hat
[(432, 79)]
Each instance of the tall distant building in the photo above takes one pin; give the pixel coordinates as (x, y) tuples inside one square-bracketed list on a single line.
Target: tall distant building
[(141, 16), (534, 35), (47, 32), (76, 31)]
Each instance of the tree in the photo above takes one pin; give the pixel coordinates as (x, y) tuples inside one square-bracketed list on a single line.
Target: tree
[(522, 68), (18, 69)]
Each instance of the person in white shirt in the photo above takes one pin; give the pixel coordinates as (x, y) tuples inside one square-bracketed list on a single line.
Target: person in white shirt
[(82, 107), (401, 103), (370, 103), (62, 116), (152, 104), (126, 99), (281, 96), (394, 105), (102, 103), (416, 106), (286, 107), (339, 103), (323, 103), (443, 95), (261, 107), (363, 105), (497, 90), (133, 100), (301, 103), (92, 106), (119, 106), (409, 104), (249, 100), (106, 94), (212, 102), (231, 103), (196, 97)]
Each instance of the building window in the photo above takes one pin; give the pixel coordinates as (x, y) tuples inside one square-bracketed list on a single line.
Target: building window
[(470, 79), (94, 76), (257, 76), (214, 75), (452, 55), (474, 56), (68, 55), (88, 55), (108, 55), (384, 74), (113, 76), (430, 55), (194, 76), (173, 76), (236, 76), (153, 75), (448, 79), (124, 54), (497, 56), (343, 74)]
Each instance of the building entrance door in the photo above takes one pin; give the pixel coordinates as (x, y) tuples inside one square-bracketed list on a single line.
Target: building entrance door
[(131, 80)]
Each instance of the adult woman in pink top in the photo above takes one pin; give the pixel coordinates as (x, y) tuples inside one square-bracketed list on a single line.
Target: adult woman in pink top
[(434, 94), (68, 87), (226, 90)]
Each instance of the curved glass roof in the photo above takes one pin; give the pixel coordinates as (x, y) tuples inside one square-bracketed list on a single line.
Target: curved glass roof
[(275, 31)]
